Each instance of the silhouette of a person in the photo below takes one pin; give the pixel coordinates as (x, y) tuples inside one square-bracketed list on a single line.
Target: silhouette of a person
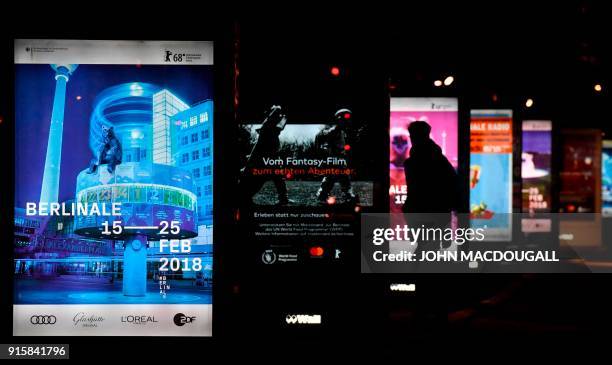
[(432, 187), (431, 180)]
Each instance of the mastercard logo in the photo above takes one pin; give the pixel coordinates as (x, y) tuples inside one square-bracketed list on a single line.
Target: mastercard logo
[(316, 251)]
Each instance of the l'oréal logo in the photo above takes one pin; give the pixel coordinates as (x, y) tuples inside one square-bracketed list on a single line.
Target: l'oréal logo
[(87, 320), (138, 320)]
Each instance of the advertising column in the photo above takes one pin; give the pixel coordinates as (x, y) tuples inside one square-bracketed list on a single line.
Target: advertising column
[(580, 188), (442, 116), (491, 172), (606, 179), (536, 173)]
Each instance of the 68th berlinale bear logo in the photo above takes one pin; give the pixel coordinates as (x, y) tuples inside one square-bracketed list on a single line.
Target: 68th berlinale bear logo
[(174, 57)]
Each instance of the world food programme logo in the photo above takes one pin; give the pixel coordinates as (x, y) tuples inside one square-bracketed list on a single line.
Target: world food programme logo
[(268, 257), (303, 319), (180, 319)]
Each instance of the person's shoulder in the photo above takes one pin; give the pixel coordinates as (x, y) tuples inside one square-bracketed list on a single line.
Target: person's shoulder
[(409, 164)]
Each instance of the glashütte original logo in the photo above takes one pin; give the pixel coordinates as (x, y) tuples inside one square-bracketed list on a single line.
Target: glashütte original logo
[(138, 320), (180, 319), (87, 320), (42, 319), (303, 319)]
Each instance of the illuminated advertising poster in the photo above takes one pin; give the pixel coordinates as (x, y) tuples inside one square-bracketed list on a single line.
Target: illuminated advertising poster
[(491, 172), (536, 173), (302, 185), (441, 114), (580, 177), (580, 186), (113, 198), (535, 165), (606, 179)]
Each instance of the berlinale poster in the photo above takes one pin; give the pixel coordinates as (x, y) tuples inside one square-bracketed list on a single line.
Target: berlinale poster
[(441, 114), (113, 176), (491, 172)]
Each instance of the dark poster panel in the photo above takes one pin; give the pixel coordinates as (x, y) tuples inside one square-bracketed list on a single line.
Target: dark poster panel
[(580, 176), (580, 186), (311, 148)]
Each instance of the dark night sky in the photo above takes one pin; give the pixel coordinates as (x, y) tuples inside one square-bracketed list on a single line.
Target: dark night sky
[(34, 89)]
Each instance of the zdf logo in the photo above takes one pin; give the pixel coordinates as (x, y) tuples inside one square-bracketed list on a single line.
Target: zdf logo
[(180, 319), (43, 319)]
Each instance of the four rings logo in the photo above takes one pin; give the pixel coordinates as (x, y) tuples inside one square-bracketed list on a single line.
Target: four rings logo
[(43, 319), (303, 319)]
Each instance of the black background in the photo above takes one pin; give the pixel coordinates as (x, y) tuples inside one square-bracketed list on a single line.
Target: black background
[(551, 52)]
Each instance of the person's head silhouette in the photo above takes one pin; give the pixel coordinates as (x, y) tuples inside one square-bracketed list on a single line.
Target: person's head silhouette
[(419, 132)]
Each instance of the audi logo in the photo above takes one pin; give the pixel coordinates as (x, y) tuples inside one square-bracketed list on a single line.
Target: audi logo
[(43, 319)]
